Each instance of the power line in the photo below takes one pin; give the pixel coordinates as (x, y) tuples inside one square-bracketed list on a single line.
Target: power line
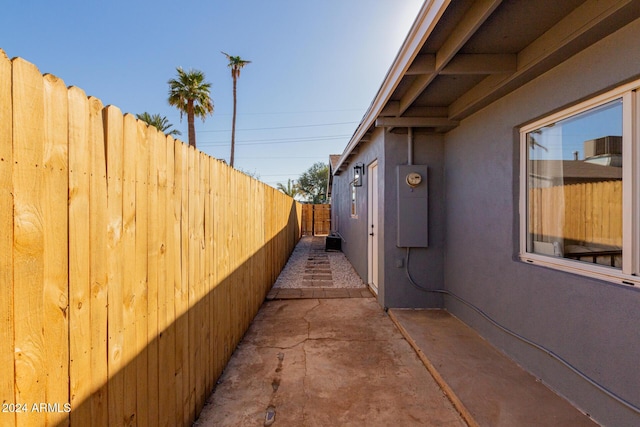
[(275, 113), (282, 127), (279, 157), (275, 141), (283, 174)]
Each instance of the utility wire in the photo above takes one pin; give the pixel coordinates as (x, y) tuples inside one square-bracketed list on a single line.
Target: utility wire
[(275, 140), (282, 127), (275, 113)]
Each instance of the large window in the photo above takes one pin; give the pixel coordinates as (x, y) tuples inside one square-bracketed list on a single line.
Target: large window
[(580, 189)]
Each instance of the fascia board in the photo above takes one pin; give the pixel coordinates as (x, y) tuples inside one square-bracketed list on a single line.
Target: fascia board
[(427, 18)]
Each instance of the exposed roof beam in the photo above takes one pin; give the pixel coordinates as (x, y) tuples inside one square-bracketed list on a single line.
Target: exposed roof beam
[(423, 64), (481, 64), (472, 20), (420, 112), (391, 109), (556, 44), (415, 122), (416, 88)]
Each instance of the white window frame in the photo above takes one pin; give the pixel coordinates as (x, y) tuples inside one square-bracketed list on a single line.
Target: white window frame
[(630, 272)]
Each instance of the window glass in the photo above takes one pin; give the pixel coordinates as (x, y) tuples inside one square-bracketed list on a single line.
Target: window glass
[(353, 198), (574, 180)]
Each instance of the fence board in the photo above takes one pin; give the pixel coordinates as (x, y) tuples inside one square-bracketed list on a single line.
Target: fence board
[(206, 250), (79, 259), (163, 371), (322, 219), (54, 218), (113, 123), (192, 198), (200, 308), (141, 274), (168, 362), (98, 266), (6, 240), (153, 252), (129, 135), (182, 291), (28, 234)]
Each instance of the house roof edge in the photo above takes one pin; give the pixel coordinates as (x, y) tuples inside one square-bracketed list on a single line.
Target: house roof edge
[(427, 18)]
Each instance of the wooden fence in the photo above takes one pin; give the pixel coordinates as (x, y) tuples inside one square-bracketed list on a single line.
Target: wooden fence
[(130, 264), (316, 219), (589, 212)]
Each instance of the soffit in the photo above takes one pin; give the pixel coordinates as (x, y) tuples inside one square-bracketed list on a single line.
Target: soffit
[(477, 51)]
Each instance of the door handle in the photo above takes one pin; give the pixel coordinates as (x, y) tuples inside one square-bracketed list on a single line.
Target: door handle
[(370, 234)]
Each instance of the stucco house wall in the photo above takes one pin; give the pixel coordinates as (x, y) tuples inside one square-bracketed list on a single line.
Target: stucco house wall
[(590, 323), (473, 223), (426, 265), (353, 230)]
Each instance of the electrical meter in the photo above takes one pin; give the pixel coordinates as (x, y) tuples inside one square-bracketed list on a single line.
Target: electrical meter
[(414, 179)]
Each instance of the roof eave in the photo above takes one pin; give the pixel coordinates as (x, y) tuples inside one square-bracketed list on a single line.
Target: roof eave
[(425, 22)]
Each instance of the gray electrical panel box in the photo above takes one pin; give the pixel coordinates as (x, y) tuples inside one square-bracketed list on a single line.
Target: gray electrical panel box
[(413, 204)]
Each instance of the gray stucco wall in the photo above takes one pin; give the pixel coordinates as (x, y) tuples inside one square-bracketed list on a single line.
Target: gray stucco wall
[(591, 324), (427, 266), (354, 230)]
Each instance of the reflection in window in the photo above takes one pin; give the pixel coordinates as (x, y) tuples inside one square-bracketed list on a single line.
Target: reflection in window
[(574, 169), (353, 198)]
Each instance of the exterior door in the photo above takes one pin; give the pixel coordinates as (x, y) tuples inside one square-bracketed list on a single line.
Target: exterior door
[(372, 226)]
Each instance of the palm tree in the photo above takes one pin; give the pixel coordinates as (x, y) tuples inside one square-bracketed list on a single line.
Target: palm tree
[(290, 190), (235, 63), (159, 122), (189, 93)]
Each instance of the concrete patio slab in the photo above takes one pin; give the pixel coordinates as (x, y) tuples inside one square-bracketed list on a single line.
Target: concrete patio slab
[(326, 362), (330, 356), (489, 388)]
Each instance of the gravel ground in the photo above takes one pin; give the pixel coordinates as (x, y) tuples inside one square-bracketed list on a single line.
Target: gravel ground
[(342, 272)]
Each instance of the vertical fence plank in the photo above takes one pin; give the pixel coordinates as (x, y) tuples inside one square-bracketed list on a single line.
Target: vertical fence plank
[(98, 266), (218, 246), (28, 234), (6, 241), (199, 303), (208, 285), (129, 136), (153, 254), (191, 281), (79, 247), (173, 271), (182, 292), (113, 134), (166, 318), (55, 220), (161, 151), (141, 274)]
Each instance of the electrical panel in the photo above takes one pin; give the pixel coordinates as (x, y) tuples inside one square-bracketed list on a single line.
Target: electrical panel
[(413, 206)]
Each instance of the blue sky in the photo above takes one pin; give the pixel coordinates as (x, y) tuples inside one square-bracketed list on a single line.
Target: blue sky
[(563, 138), (316, 66)]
